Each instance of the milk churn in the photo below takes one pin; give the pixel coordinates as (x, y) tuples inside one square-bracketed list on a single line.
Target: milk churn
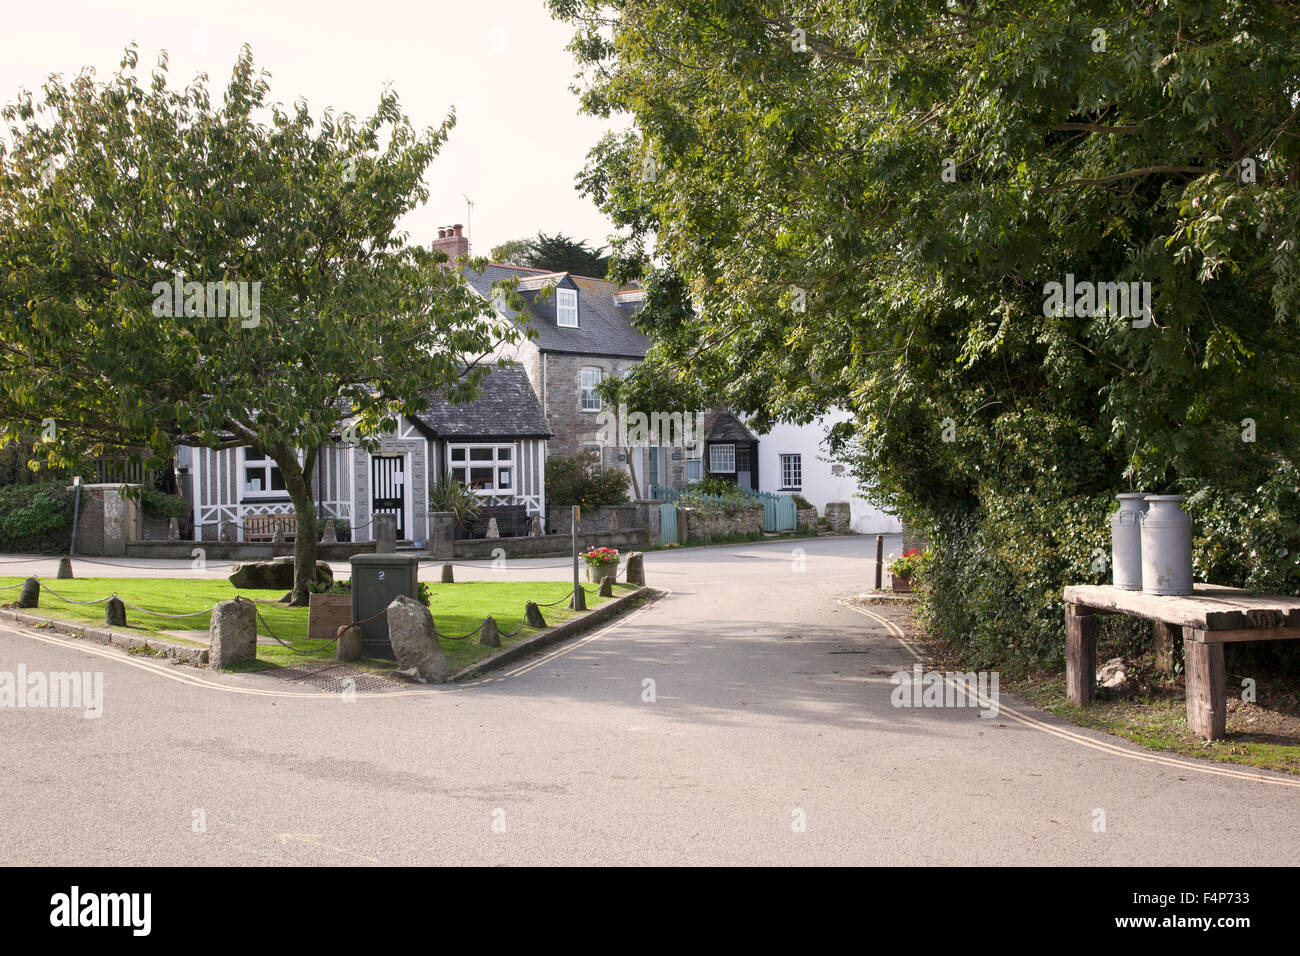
[(1126, 541), (1166, 546)]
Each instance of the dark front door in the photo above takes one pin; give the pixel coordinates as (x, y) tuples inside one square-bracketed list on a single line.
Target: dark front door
[(744, 468), (388, 486)]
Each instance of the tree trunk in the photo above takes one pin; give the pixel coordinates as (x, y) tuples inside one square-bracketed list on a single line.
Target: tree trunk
[(297, 480)]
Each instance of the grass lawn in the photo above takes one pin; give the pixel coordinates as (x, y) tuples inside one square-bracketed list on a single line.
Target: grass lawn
[(456, 608)]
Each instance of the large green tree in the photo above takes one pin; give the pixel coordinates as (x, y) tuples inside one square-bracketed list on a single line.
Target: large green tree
[(116, 196), (863, 204)]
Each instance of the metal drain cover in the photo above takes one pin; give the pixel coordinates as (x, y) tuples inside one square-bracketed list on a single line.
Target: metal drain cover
[(330, 677)]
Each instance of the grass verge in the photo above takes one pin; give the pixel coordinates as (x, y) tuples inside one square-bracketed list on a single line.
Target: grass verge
[(456, 609)]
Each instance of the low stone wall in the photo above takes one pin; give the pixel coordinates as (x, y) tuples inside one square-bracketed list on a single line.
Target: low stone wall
[(608, 518), (806, 518), (482, 548), (838, 516), (694, 525), (236, 551)]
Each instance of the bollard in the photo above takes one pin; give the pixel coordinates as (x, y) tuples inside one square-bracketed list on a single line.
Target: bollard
[(606, 587), (349, 643), (65, 569), (232, 633), (489, 635), (447, 577), (115, 612), (634, 572), (533, 615), (329, 534), (492, 530), (30, 595), (579, 600), (173, 529), (880, 559)]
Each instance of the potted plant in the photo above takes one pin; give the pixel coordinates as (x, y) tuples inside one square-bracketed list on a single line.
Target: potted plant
[(902, 569), (459, 499), (329, 608), (601, 563)]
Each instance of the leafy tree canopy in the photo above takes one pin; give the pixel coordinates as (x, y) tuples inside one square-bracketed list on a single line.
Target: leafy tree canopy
[(179, 269)]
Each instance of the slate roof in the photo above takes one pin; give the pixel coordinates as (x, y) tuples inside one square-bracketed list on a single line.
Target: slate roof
[(506, 408), (726, 427), (604, 324)]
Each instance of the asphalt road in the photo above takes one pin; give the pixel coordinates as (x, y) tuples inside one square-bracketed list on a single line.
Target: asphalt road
[(770, 738)]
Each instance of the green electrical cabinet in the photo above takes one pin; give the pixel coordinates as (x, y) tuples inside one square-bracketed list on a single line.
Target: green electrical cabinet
[(376, 580)]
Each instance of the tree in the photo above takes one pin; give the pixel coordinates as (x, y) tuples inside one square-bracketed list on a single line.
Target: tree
[(178, 271), (512, 252), (864, 205), (559, 253)]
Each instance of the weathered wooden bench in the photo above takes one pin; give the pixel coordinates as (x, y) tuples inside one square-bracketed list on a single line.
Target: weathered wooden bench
[(1204, 620), (259, 528)]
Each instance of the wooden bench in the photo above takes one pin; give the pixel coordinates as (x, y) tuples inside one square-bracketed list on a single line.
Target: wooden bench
[(259, 528), (1205, 620)]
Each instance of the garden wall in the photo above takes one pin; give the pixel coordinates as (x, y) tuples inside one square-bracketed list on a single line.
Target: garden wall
[(482, 548), (694, 525)]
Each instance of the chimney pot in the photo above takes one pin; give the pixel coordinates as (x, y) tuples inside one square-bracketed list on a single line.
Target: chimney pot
[(457, 228), (442, 233)]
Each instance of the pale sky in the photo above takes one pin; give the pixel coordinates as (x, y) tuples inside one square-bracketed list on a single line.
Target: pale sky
[(518, 140)]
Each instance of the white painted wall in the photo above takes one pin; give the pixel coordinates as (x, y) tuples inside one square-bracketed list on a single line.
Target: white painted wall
[(820, 483)]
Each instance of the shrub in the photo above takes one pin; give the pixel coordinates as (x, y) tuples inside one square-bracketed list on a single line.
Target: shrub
[(156, 504), (457, 498), (570, 481), (35, 517), (802, 503)]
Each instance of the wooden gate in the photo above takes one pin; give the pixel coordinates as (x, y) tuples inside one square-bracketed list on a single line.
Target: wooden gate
[(388, 489), (779, 512), (667, 523)]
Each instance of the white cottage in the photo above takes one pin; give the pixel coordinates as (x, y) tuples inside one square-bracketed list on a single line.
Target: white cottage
[(496, 445)]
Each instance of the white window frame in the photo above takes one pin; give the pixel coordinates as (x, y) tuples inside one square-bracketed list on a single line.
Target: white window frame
[(724, 464), (588, 398), (267, 465), (787, 482), (496, 463), (566, 306), (695, 461)]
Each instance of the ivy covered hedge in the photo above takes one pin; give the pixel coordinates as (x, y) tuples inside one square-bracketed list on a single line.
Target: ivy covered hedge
[(36, 517)]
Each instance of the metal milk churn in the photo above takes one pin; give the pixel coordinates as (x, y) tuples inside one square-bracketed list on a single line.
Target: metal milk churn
[(1126, 541), (1166, 546)]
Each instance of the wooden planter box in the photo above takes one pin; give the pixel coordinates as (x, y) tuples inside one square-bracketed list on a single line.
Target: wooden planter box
[(596, 572), (901, 585), (326, 613)]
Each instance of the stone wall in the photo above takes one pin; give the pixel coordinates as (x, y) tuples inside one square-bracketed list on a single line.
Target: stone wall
[(806, 518), (838, 516), (624, 517), (694, 526), (483, 548)]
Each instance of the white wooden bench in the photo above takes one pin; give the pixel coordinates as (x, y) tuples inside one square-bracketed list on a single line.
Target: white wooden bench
[(1204, 620)]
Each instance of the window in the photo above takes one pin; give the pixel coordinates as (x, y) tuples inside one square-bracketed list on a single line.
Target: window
[(598, 451), (791, 472), (589, 378), (722, 459), (566, 308), (487, 469), (695, 461), (261, 474)]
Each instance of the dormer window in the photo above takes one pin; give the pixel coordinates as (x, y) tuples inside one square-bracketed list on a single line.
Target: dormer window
[(566, 308)]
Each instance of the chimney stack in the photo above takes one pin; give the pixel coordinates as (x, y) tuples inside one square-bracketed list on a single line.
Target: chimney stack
[(451, 241)]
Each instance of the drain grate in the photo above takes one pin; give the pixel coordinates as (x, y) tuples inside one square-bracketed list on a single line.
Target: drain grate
[(330, 677)]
